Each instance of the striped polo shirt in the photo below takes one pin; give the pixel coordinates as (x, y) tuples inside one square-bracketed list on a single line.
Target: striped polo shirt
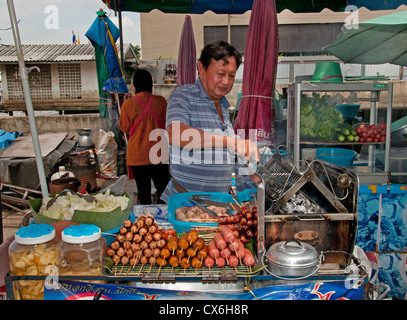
[(204, 170)]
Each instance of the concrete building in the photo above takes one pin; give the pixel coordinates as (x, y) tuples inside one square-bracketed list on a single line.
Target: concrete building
[(62, 77), (302, 37)]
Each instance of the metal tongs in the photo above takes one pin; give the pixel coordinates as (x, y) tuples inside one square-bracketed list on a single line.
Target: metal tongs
[(202, 202), (87, 197), (201, 206)]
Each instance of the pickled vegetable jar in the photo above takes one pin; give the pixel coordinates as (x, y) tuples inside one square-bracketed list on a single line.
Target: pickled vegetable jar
[(31, 254), (81, 251)]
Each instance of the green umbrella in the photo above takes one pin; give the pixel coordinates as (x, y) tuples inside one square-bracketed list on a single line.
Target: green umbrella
[(376, 41)]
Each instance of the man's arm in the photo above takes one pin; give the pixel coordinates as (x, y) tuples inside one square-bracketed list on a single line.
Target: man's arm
[(182, 135)]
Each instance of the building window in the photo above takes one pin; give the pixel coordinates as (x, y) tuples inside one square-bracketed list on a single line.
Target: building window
[(40, 83), (307, 39), (70, 81), (238, 35), (294, 39)]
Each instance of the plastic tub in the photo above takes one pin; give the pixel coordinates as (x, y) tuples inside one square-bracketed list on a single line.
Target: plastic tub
[(349, 111), (339, 156), (176, 201)]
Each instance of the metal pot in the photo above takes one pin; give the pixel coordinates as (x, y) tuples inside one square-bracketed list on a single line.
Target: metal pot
[(85, 138), (292, 260)]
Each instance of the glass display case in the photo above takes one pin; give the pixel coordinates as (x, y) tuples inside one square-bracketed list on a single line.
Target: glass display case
[(318, 100)]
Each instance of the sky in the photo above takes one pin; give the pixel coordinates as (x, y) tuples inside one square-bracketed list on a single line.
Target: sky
[(52, 21)]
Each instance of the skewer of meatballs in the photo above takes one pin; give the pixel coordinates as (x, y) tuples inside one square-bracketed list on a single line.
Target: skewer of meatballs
[(142, 242)]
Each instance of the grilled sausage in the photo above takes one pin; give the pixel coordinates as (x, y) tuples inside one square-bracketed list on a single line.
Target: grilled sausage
[(227, 234), (219, 241), (233, 261), (213, 250), (220, 262), (209, 262), (225, 253), (248, 259)]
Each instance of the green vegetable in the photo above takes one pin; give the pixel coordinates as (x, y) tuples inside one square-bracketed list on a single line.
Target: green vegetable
[(318, 119), (64, 207)]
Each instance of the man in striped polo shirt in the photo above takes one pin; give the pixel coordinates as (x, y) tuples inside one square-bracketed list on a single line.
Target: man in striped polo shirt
[(203, 145)]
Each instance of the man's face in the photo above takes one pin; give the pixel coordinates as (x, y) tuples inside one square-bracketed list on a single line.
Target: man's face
[(218, 78)]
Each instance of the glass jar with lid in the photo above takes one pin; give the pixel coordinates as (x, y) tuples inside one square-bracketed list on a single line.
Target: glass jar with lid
[(81, 251), (31, 254)]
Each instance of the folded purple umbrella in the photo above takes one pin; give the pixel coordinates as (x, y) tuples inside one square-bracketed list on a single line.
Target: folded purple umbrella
[(256, 109), (187, 54)]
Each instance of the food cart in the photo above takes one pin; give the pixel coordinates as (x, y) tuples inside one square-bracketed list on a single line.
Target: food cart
[(199, 255), (345, 269)]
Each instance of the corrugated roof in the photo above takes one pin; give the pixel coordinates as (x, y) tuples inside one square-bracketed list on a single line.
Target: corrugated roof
[(51, 53)]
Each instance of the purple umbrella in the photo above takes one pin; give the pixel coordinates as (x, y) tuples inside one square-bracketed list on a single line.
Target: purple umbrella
[(187, 54), (260, 66)]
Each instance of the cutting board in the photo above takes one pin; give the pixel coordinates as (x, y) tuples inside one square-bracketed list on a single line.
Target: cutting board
[(23, 147)]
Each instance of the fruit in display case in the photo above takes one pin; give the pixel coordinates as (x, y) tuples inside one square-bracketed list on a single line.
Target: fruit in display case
[(369, 133), (346, 133)]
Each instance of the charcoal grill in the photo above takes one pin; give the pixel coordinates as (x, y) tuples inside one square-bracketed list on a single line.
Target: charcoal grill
[(327, 195)]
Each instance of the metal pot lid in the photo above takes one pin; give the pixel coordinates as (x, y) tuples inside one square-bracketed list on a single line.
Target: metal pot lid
[(292, 254)]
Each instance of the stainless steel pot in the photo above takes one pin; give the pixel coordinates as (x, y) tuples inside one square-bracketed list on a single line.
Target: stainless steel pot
[(85, 138), (292, 260)]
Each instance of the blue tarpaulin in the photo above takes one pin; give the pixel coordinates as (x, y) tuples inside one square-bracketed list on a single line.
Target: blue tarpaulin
[(6, 138)]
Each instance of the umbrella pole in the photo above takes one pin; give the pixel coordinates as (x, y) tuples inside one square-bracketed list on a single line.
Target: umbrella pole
[(28, 101)]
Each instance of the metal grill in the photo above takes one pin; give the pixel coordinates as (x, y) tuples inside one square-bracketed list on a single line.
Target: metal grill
[(121, 270), (279, 176)]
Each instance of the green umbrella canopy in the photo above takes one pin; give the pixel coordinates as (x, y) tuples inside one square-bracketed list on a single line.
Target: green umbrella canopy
[(379, 40)]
